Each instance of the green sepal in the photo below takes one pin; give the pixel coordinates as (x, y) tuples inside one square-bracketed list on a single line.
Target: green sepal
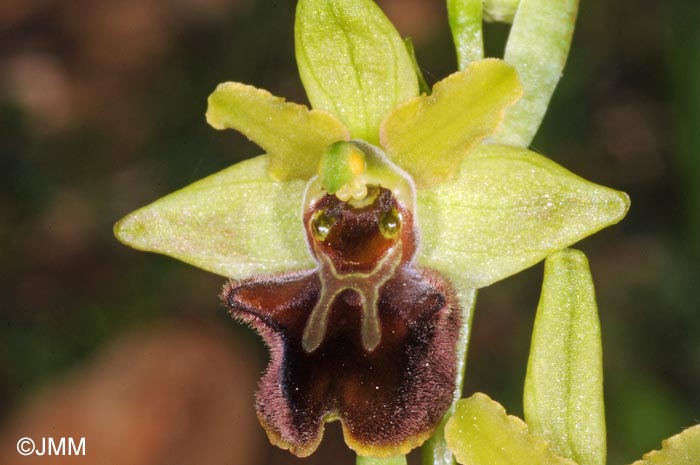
[(480, 432), (563, 396), (465, 23), (681, 449), (507, 209), (237, 223), (352, 62), (537, 46), (429, 135), (293, 136)]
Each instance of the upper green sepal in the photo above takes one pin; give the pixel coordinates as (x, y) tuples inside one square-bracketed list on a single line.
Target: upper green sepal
[(237, 223), (352, 62), (563, 396), (480, 432), (507, 209)]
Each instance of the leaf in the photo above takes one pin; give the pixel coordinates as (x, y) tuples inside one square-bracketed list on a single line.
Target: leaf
[(429, 135), (293, 136), (681, 449), (537, 46), (465, 24), (507, 209), (352, 62), (563, 398), (481, 433), (237, 223)]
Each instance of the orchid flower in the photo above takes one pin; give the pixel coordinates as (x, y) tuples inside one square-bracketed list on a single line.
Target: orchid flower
[(354, 246)]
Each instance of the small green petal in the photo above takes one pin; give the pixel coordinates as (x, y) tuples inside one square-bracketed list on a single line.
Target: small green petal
[(352, 62), (508, 209), (538, 45), (237, 223), (681, 449), (500, 10), (563, 397), (429, 135), (480, 432), (293, 136), (465, 23)]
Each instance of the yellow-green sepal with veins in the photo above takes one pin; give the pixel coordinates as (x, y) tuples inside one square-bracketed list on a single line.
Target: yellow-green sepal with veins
[(237, 223), (681, 449), (293, 136), (480, 432), (563, 395), (507, 209), (429, 135), (352, 62)]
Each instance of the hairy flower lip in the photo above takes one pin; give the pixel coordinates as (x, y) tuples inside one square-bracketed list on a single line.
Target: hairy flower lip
[(388, 395), (388, 401)]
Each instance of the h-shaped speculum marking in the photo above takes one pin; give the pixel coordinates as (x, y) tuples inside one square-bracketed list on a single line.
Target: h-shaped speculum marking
[(367, 285)]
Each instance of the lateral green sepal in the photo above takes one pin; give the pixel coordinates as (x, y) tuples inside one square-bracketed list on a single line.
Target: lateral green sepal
[(237, 223), (507, 209)]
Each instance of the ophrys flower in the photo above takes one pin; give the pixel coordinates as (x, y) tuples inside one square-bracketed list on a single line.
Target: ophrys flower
[(354, 265)]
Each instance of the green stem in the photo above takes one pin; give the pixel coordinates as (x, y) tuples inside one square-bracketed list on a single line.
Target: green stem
[(398, 460), (465, 22), (435, 451)]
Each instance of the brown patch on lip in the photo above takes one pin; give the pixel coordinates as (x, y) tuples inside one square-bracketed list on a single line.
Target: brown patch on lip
[(389, 400)]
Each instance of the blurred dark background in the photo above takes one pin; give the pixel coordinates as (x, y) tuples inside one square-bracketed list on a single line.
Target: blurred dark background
[(102, 111)]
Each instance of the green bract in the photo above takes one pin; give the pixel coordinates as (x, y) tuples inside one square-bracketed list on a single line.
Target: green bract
[(563, 397)]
